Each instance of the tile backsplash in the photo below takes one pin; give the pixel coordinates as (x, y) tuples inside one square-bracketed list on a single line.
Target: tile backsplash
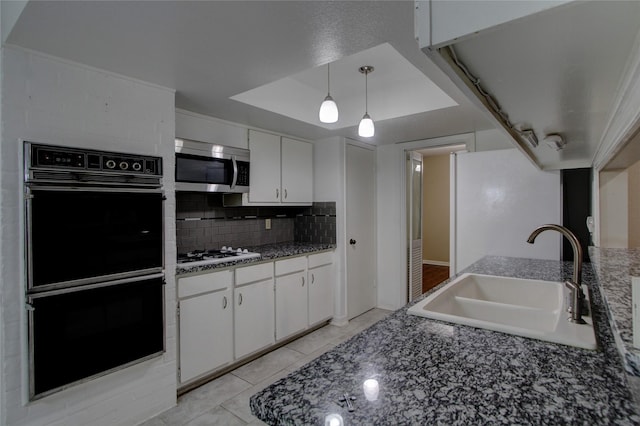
[(202, 222)]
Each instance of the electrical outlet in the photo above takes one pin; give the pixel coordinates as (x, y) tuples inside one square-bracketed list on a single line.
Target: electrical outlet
[(635, 305), (267, 224)]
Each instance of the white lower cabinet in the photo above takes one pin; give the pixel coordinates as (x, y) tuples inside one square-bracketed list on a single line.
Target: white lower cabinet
[(320, 277), (253, 309), (222, 320), (291, 296), (205, 324)]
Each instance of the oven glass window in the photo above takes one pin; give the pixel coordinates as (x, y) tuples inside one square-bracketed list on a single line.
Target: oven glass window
[(191, 168), (80, 334), (87, 234)]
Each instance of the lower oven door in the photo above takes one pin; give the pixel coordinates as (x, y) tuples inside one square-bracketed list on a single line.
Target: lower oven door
[(92, 330), (78, 236)]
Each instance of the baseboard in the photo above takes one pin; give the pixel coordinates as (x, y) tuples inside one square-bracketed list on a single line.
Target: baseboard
[(340, 322), (434, 262)]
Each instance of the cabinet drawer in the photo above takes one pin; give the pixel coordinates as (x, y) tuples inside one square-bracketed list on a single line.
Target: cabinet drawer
[(320, 259), (250, 274), (190, 286), (289, 266)]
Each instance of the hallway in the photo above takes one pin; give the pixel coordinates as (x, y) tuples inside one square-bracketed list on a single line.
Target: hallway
[(432, 275)]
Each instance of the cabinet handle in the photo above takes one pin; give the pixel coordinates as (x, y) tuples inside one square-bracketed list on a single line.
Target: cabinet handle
[(302, 281), (285, 193), (240, 299), (313, 278), (277, 193), (224, 302)]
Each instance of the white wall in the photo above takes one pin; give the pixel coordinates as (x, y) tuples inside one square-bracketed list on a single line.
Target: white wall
[(54, 101), (329, 185), (391, 224), (191, 125), (501, 198), (614, 209)]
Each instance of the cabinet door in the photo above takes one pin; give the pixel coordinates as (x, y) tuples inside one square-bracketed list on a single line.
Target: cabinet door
[(320, 294), (264, 178), (254, 317), (291, 304), (205, 333), (297, 171)]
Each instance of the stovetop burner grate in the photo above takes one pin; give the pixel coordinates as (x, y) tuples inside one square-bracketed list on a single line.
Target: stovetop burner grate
[(203, 257)]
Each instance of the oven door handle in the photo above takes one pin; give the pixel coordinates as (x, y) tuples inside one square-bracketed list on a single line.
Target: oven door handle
[(235, 172), (96, 285)]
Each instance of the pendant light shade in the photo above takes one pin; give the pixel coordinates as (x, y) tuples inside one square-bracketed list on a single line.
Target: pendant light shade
[(329, 109), (366, 129)]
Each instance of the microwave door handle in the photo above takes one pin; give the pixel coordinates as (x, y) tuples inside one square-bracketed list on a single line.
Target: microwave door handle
[(235, 171)]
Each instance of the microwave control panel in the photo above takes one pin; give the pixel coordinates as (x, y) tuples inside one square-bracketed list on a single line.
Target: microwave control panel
[(243, 173), (70, 159)]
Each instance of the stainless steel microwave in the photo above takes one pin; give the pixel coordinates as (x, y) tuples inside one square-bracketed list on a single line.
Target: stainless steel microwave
[(206, 167)]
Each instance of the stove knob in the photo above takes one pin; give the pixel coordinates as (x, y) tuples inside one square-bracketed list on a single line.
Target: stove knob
[(224, 248), (124, 165), (239, 250), (229, 248), (110, 164), (245, 251)]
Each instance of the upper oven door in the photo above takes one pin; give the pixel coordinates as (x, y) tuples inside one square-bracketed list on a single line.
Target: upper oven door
[(79, 236)]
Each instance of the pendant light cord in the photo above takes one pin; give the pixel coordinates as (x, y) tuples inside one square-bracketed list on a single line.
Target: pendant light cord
[(366, 92)]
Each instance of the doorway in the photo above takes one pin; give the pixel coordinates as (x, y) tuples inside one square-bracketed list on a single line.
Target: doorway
[(437, 217)]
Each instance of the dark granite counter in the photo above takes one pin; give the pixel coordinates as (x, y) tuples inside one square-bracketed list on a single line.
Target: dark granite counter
[(268, 252), (614, 268), (431, 372)]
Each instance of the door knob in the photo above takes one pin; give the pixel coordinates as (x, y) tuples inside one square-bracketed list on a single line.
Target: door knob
[(352, 242)]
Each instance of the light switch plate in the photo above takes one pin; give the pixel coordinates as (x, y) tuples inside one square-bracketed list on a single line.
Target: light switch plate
[(267, 224), (635, 310)]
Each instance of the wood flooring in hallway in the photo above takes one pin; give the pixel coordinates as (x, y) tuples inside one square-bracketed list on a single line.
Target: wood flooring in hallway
[(432, 275)]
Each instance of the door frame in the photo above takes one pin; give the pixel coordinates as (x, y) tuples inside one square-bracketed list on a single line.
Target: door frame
[(467, 139)]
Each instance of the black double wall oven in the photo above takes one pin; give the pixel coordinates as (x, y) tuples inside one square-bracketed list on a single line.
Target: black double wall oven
[(94, 263)]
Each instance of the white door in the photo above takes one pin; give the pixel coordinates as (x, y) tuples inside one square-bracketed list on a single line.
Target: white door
[(297, 171), (291, 304), (264, 178), (360, 207), (414, 224), (254, 317), (206, 331), (320, 293)]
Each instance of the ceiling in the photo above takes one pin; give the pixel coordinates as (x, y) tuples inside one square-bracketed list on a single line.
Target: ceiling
[(558, 72), (211, 51), (395, 89)]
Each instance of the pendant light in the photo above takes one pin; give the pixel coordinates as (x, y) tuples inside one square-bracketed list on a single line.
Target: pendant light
[(328, 110), (366, 129)]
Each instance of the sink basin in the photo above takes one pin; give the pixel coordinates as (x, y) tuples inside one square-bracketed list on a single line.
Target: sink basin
[(528, 308)]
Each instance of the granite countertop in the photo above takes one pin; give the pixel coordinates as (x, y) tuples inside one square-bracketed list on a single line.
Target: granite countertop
[(614, 268), (267, 252), (432, 372)]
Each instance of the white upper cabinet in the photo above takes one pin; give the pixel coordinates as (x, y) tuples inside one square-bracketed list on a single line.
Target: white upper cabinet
[(265, 168), (297, 171), (281, 171), (439, 23)]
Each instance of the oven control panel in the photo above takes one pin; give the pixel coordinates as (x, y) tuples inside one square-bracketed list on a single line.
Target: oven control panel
[(62, 158)]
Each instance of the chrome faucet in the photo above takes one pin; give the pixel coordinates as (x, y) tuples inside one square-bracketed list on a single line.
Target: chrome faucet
[(575, 285)]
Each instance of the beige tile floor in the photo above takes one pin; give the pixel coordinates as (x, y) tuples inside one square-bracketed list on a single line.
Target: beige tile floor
[(225, 400)]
